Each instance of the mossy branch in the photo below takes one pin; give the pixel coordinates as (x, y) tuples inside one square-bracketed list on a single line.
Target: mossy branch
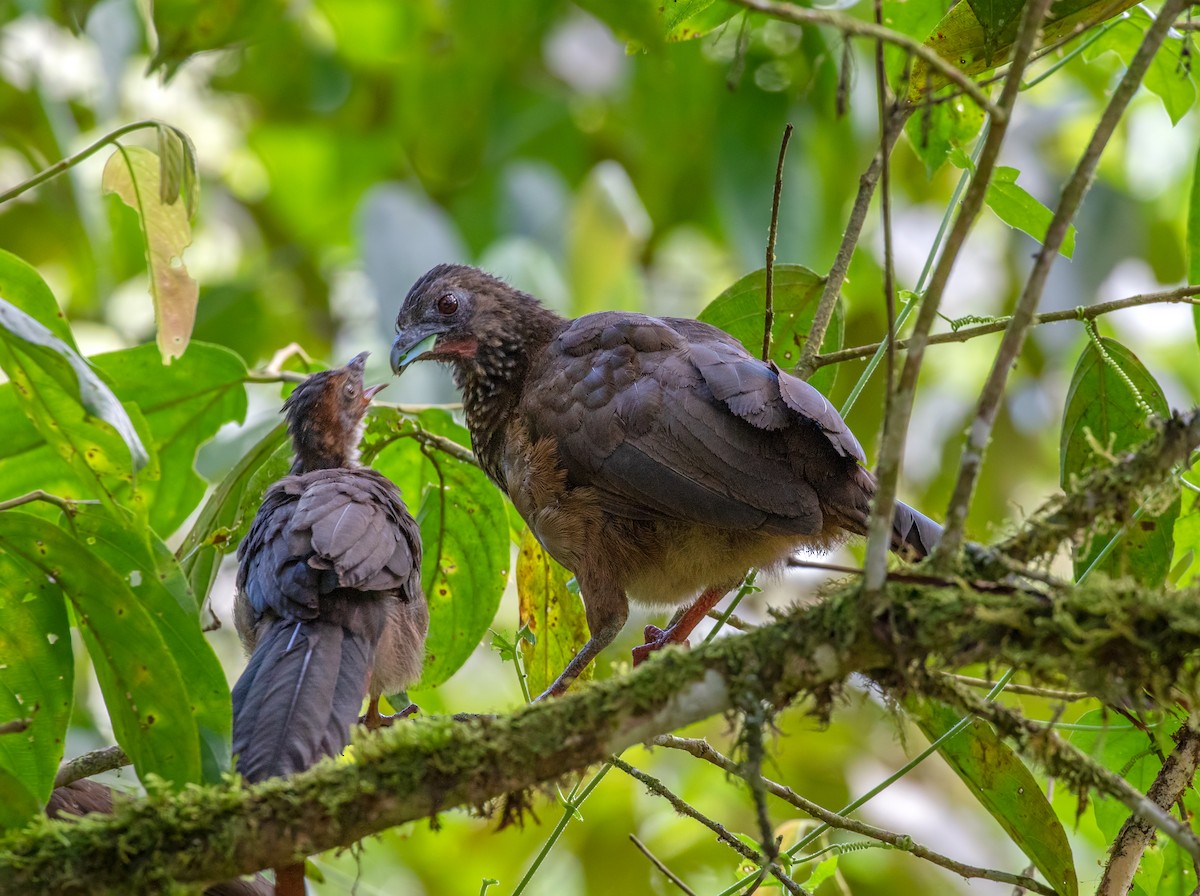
[(1111, 639)]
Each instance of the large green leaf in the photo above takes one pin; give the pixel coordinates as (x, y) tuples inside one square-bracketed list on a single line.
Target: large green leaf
[(156, 579), (37, 674), (146, 697), (464, 534), (227, 513), (1185, 564), (935, 130), (184, 405), (741, 312), (552, 613), (1005, 787), (1107, 412)]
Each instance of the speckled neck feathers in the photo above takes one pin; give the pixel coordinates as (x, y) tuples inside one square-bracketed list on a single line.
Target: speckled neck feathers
[(325, 432)]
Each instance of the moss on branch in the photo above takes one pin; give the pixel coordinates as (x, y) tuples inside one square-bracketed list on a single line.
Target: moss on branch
[(1110, 638)]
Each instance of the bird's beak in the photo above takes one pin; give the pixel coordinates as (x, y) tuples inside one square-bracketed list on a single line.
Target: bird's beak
[(372, 391), (408, 347)]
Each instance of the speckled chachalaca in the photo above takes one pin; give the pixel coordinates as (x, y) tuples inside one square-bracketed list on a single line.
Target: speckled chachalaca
[(329, 603), (653, 457)]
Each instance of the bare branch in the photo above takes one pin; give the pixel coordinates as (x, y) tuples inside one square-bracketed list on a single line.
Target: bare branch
[(66, 505), (772, 232), (657, 863), (1184, 294), (702, 750), (89, 764), (891, 454), (1173, 779), (980, 430)]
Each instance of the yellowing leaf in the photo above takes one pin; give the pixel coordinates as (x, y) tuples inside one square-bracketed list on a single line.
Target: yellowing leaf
[(552, 613), (134, 174)]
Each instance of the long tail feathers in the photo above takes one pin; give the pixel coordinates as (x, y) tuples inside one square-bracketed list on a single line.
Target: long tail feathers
[(299, 695), (914, 535)]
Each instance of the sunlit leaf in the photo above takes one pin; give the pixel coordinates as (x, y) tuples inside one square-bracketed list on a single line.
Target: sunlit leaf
[(177, 175), (741, 312), (1108, 410), (133, 173), (1169, 76), (145, 694), (935, 131), (153, 575), (37, 677), (1193, 240), (1185, 564), (553, 614), (1117, 745), (1005, 787), (1017, 208), (690, 19), (609, 226), (464, 535)]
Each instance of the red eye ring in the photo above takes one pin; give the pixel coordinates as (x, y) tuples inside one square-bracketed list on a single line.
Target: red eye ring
[(447, 304)]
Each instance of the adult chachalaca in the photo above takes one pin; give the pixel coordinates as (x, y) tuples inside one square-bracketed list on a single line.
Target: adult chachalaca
[(329, 603), (653, 457)]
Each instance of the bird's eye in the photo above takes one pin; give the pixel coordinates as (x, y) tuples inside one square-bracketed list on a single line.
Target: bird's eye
[(447, 304), (351, 390)]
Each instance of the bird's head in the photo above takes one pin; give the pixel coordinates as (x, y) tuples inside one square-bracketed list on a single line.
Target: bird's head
[(325, 415), (455, 310)]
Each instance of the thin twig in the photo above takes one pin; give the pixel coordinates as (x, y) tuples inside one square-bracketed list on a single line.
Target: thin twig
[(66, 505), (891, 455), (1184, 294), (858, 28), (731, 620), (1013, 688), (885, 210), (16, 726), (657, 863), (89, 764), (979, 433), (63, 165), (701, 749), (772, 232), (657, 788), (1172, 780)]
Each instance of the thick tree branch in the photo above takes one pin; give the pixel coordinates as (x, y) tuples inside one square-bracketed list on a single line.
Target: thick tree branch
[(1112, 639)]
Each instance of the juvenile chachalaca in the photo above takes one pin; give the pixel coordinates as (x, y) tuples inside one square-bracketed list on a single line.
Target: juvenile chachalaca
[(653, 457), (329, 603)]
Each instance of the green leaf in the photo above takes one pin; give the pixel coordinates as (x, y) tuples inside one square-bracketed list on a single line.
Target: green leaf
[(134, 174), (998, 19), (936, 131), (1169, 76), (740, 312), (145, 694), (1003, 786), (186, 27), (37, 676), (464, 534), (26, 336), (1121, 748), (609, 226), (1108, 406), (177, 176), (962, 40), (1193, 240), (1185, 564), (1017, 208), (227, 513), (690, 19), (553, 614), (157, 581), (184, 405)]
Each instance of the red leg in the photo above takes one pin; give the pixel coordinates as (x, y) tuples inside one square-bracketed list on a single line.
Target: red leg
[(656, 638), (374, 719)]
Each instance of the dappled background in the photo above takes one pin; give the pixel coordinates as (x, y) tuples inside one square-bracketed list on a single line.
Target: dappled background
[(346, 146)]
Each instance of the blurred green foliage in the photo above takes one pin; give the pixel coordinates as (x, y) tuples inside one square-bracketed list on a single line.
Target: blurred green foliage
[(601, 155)]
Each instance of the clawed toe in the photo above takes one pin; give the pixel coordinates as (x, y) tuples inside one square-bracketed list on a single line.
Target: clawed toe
[(373, 719), (656, 639)]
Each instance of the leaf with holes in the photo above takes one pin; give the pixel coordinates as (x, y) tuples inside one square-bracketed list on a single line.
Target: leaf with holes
[(553, 614), (1005, 787), (1109, 404), (37, 679), (134, 174), (143, 689), (464, 536), (740, 312)]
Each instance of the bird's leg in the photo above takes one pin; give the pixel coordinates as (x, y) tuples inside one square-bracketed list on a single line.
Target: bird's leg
[(373, 719), (607, 609), (681, 625)]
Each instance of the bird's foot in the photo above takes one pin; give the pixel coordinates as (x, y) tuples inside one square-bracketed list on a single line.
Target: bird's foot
[(656, 639), (373, 719)]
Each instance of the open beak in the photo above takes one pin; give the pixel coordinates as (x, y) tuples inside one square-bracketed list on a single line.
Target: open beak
[(405, 350), (371, 391)]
